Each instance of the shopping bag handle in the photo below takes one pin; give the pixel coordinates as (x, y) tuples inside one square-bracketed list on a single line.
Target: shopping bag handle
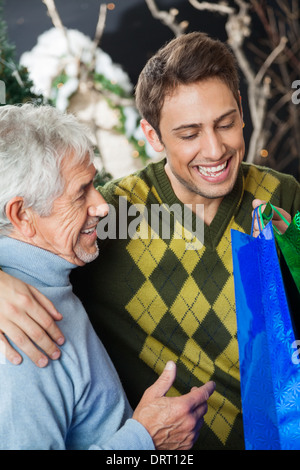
[(268, 215), (259, 220)]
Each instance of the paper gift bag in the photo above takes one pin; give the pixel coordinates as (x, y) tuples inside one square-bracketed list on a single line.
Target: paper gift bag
[(268, 354)]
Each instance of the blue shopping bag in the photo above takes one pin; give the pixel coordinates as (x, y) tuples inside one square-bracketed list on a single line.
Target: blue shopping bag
[(268, 349)]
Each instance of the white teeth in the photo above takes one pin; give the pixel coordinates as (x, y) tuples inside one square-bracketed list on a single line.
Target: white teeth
[(88, 230), (212, 171)]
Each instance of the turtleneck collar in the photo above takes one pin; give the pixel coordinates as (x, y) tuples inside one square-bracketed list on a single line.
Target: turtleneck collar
[(43, 267)]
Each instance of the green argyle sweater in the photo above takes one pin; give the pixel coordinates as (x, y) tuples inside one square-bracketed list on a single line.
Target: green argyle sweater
[(152, 298)]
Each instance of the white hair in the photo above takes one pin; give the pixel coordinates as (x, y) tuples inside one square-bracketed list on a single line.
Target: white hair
[(34, 141)]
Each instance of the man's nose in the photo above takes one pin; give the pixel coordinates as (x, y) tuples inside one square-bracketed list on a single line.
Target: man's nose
[(99, 207), (213, 147)]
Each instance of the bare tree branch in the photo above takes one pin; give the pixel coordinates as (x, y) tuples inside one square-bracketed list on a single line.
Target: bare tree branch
[(219, 8), (168, 18), (101, 24), (270, 59), (55, 18)]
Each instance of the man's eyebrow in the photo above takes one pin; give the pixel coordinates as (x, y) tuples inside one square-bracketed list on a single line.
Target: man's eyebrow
[(231, 111), (199, 125), (85, 185)]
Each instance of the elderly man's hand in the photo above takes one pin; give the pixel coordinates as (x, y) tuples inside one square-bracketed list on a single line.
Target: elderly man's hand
[(277, 221), (25, 316), (173, 422)]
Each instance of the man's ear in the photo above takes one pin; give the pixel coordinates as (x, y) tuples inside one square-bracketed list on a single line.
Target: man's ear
[(20, 217), (241, 105), (151, 136)]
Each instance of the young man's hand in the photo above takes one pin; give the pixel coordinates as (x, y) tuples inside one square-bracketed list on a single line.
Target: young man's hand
[(277, 221), (27, 317)]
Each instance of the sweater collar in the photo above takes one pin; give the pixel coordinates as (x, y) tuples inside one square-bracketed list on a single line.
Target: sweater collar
[(34, 265)]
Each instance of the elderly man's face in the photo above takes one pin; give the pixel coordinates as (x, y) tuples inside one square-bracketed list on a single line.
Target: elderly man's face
[(70, 230)]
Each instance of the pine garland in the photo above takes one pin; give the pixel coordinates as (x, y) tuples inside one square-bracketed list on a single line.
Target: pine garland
[(15, 77)]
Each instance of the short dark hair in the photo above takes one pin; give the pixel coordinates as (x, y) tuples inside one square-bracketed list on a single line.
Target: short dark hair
[(184, 60)]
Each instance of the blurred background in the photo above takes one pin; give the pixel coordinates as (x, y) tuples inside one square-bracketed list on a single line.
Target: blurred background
[(84, 56)]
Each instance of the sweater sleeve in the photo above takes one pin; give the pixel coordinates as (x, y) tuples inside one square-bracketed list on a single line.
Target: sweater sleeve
[(295, 196), (131, 436), (39, 424), (32, 411)]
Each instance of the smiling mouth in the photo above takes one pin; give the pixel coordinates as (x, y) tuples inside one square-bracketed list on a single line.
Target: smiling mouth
[(213, 171), (90, 226), (88, 230), (91, 229)]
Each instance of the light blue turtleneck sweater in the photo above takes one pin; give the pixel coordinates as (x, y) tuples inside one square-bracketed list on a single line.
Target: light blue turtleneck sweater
[(76, 402)]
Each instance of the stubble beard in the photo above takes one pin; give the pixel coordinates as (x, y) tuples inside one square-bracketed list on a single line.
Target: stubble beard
[(84, 256), (215, 193), (205, 194)]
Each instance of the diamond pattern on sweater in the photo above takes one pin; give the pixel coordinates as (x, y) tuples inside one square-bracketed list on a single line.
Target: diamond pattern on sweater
[(186, 308), (197, 337)]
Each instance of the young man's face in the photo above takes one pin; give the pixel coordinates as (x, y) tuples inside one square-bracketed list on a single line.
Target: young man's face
[(201, 133)]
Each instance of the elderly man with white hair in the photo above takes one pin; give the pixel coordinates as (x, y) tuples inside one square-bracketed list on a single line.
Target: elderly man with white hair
[(49, 210)]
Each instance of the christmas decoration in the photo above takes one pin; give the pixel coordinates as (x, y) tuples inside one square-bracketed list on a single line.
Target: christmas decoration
[(16, 87)]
